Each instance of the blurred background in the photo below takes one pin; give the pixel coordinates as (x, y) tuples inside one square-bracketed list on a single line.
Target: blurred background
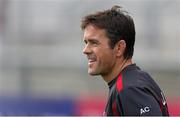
[(44, 72)]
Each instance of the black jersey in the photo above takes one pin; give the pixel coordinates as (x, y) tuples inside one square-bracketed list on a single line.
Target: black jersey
[(135, 93)]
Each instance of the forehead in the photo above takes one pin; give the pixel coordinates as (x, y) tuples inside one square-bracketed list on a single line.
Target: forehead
[(92, 32)]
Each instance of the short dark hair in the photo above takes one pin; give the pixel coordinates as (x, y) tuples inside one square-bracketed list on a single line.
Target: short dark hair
[(118, 26)]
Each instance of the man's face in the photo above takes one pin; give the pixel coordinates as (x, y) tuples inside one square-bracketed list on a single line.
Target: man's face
[(101, 58)]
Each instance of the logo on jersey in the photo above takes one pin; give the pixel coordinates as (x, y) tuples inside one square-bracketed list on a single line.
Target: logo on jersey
[(144, 110)]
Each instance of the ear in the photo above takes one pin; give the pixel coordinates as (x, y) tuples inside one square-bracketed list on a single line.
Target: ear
[(120, 48)]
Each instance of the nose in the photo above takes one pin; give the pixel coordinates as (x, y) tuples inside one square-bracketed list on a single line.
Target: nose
[(86, 49)]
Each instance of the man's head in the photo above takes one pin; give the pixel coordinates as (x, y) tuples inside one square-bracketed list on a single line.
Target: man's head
[(108, 35)]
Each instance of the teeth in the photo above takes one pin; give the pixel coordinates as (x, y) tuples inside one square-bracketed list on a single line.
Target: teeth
[(90, 60)]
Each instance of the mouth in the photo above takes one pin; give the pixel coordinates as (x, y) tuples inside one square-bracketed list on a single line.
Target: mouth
[(91, 60)]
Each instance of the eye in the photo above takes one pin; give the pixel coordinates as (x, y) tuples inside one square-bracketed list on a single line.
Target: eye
[(94, 42), (85, 41)]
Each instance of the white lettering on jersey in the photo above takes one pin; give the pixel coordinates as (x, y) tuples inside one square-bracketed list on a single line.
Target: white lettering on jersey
[(144, 110)]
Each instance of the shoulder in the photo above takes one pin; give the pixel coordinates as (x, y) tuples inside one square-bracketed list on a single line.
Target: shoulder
[(137, 81), (135, 77)]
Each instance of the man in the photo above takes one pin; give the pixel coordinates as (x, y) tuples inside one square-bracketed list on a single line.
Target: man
[(109, 38)]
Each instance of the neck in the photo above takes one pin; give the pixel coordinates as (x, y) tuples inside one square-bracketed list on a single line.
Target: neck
[(119, 66)]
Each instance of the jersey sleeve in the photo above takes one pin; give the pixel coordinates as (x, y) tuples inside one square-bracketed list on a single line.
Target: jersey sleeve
[(135, 101)]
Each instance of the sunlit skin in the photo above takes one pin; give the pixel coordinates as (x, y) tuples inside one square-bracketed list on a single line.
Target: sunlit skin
[(102, 59)]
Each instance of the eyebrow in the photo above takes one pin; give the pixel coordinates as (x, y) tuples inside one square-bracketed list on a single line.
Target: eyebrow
[(91, 40)]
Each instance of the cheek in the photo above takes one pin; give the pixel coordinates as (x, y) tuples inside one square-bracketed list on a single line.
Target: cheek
[(106, 57)]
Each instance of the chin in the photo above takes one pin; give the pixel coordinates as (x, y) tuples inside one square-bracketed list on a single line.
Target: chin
[(93, 73)]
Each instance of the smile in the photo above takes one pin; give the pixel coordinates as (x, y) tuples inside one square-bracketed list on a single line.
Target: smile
[(91, 62)]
